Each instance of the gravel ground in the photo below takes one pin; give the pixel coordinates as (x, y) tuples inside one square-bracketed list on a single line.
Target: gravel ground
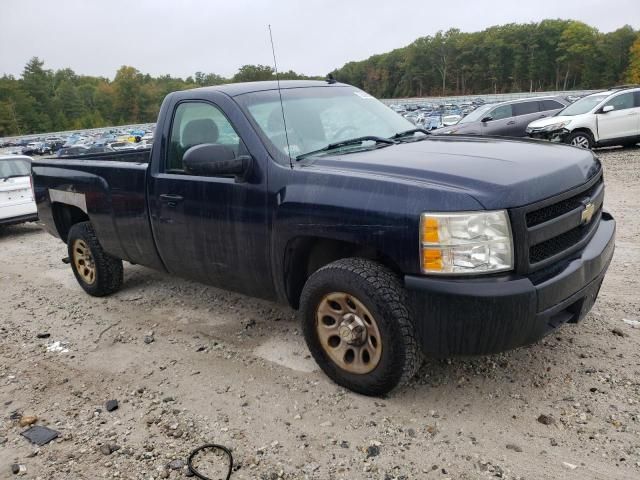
[(191, 364)]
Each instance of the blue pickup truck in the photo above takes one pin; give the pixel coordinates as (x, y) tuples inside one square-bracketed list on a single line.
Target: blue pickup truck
[(390, 243)]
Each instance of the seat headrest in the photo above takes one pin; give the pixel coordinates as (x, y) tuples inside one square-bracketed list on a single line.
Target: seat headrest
[(196, 132)]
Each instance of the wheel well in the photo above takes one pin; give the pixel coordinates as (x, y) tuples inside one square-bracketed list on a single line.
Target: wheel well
[(584, 130), (66, 216), (305, 255)]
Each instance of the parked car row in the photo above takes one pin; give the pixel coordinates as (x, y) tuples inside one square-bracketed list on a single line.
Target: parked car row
[(79, 143), (605, 118)]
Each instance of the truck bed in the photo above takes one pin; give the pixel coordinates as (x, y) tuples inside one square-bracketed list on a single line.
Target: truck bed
[(110, 186)]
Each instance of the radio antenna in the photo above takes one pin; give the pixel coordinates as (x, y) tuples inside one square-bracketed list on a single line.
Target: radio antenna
[(284, 120)]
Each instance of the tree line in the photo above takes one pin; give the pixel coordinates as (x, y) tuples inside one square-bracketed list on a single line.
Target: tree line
[(549, 55), (43, 100)]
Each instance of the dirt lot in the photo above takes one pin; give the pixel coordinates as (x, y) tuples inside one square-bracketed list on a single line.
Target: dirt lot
[(226, 368)]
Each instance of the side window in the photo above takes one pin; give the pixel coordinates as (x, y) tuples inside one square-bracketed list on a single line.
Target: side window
[(637, 97), (503, 111), (525, 108), (195, 123), (621, 102), (546, 105)]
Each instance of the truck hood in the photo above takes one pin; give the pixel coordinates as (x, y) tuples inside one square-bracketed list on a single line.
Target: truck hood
[(543, 122), (498, 173)]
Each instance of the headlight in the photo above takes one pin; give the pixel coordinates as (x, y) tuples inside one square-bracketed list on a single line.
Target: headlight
[(465, 243), (556, 126)]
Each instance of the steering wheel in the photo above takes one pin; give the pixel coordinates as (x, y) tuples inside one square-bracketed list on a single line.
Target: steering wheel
[(342, 132)]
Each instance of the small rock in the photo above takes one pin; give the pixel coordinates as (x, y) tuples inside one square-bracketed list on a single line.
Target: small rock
[(326, 424), (111, 405), (546, 419), (27, 420), (570, 466), (514, 447), (43, 335), (618, 332), (168, 399), (373, 451), (106, 449), (18, 469), (176, 464), (148, 339), (344, 444)]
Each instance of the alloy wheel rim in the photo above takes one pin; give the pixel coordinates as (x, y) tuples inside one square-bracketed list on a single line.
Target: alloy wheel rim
[(348, 333), (83, 261), (580, 141)]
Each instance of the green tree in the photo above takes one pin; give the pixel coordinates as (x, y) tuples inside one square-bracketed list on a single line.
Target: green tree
[(633, 70)]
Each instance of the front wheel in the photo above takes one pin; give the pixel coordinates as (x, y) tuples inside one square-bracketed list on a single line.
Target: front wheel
[(580, 140), (357, 326), (97, 272)]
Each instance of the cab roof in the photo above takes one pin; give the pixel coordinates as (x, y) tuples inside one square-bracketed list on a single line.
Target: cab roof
[(234, 89)]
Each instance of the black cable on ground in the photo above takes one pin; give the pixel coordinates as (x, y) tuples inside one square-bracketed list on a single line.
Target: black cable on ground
[(213, 446)]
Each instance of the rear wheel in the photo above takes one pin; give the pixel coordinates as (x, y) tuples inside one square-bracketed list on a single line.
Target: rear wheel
[(580, 140), (357, 326), (97, 272)]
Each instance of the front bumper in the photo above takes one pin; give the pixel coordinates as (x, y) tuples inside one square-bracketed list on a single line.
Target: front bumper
[(493, 314), (552, 136)]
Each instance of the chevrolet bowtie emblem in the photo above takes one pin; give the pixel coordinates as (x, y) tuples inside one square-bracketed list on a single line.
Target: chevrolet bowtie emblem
[(587, 213)]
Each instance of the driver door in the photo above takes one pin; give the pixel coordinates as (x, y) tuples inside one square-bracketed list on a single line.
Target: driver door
[(210, 228), (502, 122), (620, 122)]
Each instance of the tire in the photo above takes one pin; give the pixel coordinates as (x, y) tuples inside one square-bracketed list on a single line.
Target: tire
[(580, 139), (368, 295), (97, 272)]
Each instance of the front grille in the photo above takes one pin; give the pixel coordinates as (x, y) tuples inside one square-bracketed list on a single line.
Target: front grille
[(552, 211), (549, 233), (561, 243)]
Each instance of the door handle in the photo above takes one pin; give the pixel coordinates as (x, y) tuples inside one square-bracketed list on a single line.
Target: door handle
[(542, 116), (512, 122), (171, 200)]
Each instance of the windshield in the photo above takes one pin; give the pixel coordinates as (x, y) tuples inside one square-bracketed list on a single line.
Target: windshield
[(477, 115), (583, 105), (319, 116), (14, 168)]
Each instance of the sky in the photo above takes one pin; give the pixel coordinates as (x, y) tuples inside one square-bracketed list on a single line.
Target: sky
[(181, 37)]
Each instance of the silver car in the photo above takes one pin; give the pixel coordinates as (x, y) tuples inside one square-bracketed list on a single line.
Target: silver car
[(507, 119)]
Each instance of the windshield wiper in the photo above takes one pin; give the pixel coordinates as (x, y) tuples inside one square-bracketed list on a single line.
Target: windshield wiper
[(346, 143), (14, 176), (408, 133)]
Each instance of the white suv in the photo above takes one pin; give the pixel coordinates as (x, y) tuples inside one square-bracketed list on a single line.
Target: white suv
[(17, 203), (597, 120)]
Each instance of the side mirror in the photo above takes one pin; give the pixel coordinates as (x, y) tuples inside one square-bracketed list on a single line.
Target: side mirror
[(607, 108), (211, 160), (488, 118)]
